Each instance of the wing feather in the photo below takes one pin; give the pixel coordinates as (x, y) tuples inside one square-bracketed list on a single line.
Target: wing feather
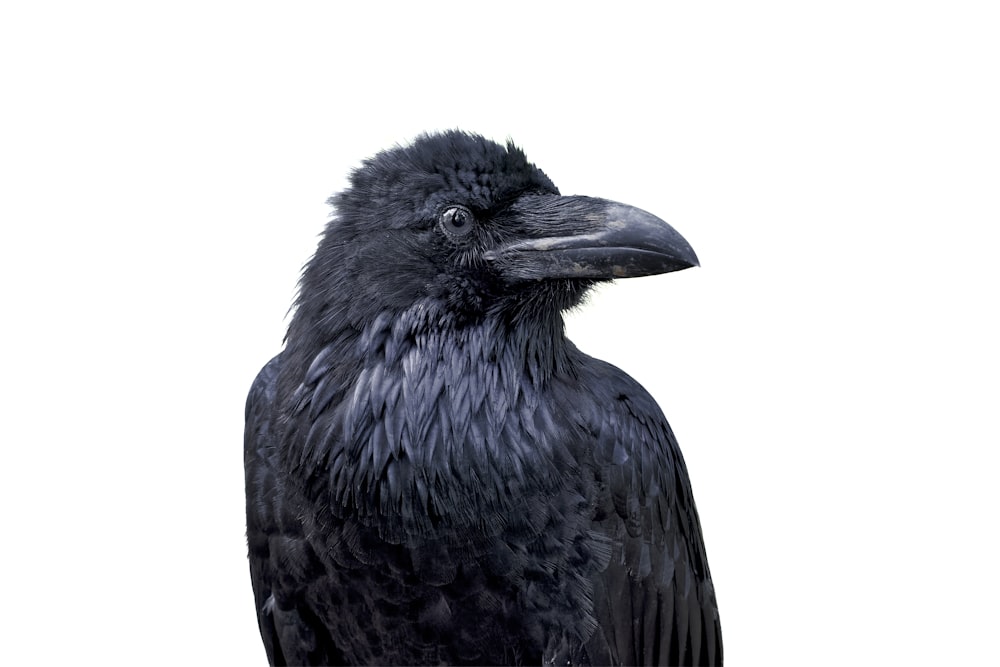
[(277, 549), (654, 603)]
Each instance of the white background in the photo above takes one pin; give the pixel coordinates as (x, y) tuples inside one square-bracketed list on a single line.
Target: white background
[(831, 370)]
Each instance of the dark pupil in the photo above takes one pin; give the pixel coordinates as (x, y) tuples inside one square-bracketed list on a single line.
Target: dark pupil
[(457, 218)]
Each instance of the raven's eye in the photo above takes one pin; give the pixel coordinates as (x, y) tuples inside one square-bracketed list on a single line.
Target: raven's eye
[(457, 220)]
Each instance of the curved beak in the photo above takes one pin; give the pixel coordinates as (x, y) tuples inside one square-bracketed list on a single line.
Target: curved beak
[(587, 237)]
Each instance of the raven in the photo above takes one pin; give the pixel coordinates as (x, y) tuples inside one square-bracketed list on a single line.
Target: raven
[(434, 473)]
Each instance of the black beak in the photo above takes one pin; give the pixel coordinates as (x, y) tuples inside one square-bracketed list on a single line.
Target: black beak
[(586, 237)]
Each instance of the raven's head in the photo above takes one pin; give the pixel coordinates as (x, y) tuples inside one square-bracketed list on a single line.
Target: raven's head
[(471, 228)]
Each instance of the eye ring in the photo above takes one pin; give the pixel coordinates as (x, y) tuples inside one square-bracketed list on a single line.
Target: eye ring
[(457, 221)]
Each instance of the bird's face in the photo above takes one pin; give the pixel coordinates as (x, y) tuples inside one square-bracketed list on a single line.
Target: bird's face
[(458, 220)]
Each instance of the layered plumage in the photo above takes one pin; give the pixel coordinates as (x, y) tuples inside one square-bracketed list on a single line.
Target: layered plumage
[(435, 474)]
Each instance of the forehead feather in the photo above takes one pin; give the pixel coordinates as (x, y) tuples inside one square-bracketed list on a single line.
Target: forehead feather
[(441, 169)]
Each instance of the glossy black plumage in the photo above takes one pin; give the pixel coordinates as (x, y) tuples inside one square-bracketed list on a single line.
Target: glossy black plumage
[(435, 475)]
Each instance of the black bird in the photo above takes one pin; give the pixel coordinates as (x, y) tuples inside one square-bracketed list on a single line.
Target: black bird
[(434, 473)]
